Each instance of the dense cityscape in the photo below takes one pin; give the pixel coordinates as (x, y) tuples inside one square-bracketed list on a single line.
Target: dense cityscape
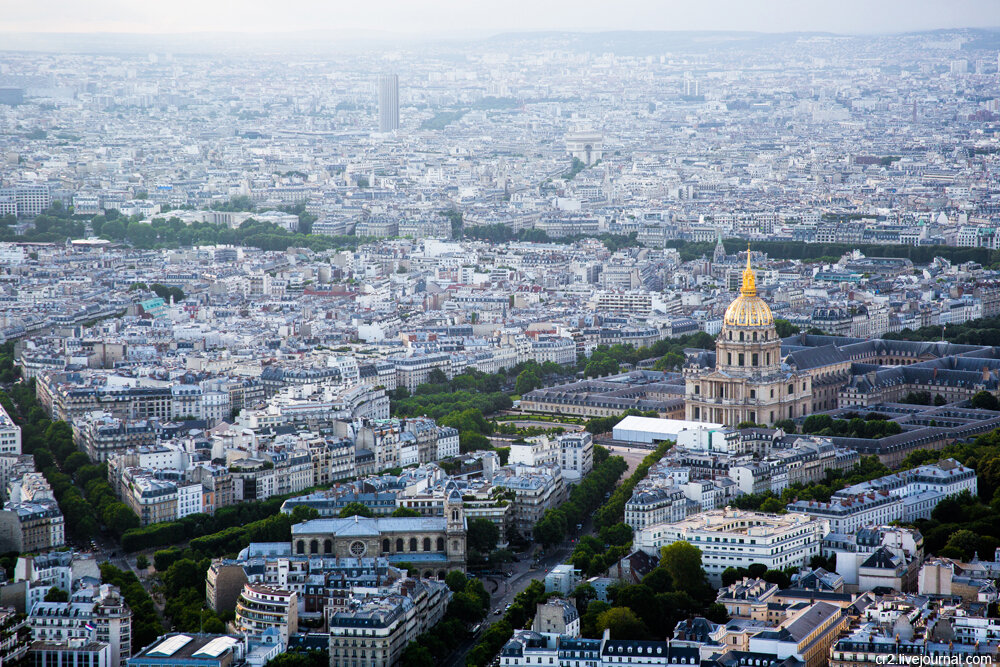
[(576, 349)]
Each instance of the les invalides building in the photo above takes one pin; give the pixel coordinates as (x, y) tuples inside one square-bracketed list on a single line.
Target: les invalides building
[(749, 382)]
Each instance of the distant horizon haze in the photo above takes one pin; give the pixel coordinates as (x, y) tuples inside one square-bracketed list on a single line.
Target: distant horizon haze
[(470, 20)]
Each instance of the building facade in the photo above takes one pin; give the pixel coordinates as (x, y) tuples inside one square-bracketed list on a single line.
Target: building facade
[(748, 383)]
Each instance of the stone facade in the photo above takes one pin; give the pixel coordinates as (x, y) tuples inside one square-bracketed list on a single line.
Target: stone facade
[(433, 545), (749, 382)]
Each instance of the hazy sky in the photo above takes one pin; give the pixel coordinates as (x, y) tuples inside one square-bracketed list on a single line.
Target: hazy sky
[(490, 16)]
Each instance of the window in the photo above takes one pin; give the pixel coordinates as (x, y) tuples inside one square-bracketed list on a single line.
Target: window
[(399, 544), (741, 359), (791, 389), (754, 360), (427, 544)]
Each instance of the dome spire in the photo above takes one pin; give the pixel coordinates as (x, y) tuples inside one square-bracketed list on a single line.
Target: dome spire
[(749, 281)]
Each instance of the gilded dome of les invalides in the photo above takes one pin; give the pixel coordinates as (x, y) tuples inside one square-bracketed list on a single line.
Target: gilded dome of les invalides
[(748, 309)]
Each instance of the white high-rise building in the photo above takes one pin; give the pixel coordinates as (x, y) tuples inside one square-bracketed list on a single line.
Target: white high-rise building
[(388, 102)]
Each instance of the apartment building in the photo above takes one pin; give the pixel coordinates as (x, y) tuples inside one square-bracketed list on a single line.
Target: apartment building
[(535, 491), (32, 526), (100, 613), (376, 630), (260, 608), (735, 538)]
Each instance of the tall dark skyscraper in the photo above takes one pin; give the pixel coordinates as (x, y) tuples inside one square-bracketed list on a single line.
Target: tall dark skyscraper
[(388, 102)]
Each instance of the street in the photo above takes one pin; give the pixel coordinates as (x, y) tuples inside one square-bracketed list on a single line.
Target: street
[(524, 573)]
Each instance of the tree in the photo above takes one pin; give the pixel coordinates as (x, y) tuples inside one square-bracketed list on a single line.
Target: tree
[(463, 605), (482, 535), (182, 574), (785, 328), (355, 509), (964, 541), (731, 575), (416, 655), (618, 534), (437, 376), (141, 562), (551, 528), (55, 594), (777, 577), (526, 381), (816, 423), (682, 561), (623, 623), (584, 594), (470, 441), (786, 425), (668, 362), (984, 400), (772, 505), (119, 517), (456, 581), (74, 462), (404, 512)]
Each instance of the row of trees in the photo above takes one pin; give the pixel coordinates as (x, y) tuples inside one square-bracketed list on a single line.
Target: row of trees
[(146, 625), (197, 525), (984, 331), (500, 233), (593, 555), (469, 605), (79, 486), (8, 371), (556, 523), (173, 233), (519, 615), (613, 511), (797, 250), (873, 425)]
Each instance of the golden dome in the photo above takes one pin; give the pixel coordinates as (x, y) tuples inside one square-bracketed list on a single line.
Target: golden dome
[(748, 309)]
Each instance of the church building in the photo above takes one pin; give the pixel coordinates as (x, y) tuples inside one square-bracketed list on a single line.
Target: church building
[(749, 382)]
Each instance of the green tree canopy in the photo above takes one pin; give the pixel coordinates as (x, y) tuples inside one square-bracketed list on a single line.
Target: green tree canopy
[(355, 509), (623, 623)]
